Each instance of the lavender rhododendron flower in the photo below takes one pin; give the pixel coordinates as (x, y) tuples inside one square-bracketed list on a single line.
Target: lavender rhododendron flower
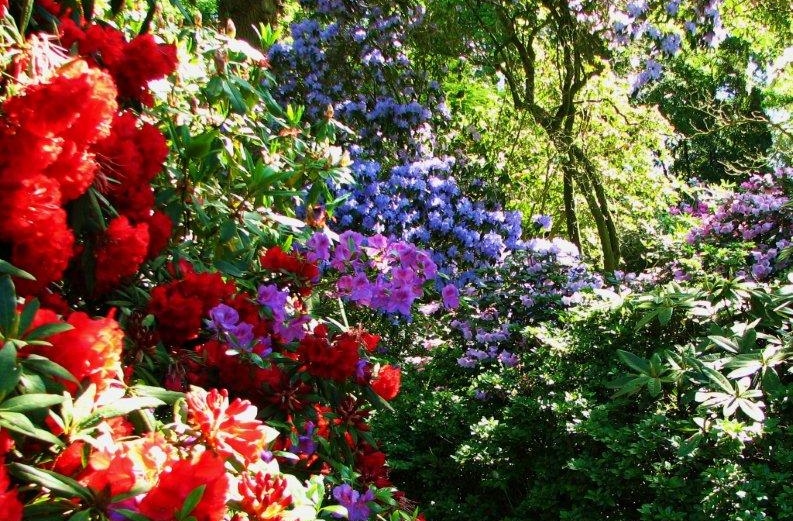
[(275, 299), (451, 296), (355, 502)]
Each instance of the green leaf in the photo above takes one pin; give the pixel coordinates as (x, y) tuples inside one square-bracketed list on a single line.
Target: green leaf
[(168, 397), (46, 367), (121, 407), (664, 315), (634, 362), (56, 483), (690, 445), (236, 100), (185, 13), (752, 410), (654, 386), (335, 509), (29, 402), (51, 509), (631, 387), (24, 15), (719, 379), (724, 343), (9, 370), (646, 319), (8, 304), (28, 314), (131, 514), (47, 330), (7, 268), (20, 423), (191, 501), (82, 515)]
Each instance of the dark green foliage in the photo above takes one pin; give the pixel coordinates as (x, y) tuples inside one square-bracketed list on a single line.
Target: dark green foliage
[(551, 441), (718, 112)]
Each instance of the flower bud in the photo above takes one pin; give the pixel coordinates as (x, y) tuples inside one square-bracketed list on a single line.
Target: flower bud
[(221, 60)]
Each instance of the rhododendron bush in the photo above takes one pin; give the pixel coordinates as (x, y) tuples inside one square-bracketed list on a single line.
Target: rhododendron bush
[(174, 339)]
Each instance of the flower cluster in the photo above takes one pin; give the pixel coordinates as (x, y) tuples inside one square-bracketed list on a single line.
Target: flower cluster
[(400, 270), (421, 202), (267, 349), (87, 431), (132, 64), (663, 27), (53, 124), (67, 124), (755, 213), (402, 189), (531, 285)]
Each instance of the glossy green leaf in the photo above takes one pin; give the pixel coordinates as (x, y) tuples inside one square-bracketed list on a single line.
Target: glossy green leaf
[(63, 486)]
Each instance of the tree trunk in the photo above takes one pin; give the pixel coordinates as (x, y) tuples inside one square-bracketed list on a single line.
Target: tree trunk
[(588, 169), (609, 260), (571, 219), (248, 14)]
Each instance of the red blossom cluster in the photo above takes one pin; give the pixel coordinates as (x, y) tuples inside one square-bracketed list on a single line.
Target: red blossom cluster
[(301, 273), (229, 428), (335, 360), (165, 500), (64, 135), (132, 64), (264, 496), (181, 305), (90, 351), (46, 136)]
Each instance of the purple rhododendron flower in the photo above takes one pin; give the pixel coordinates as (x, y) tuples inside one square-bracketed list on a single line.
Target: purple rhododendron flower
[(355, 502), (223, 317), (318, 248), (543, 222), (242, 335), (275, 299), (451, 296)]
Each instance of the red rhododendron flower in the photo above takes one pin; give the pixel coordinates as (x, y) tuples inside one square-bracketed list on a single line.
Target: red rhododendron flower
[(164, 501), (91, 351), (276, 259), (371, 465), (76, 104), (132, 64), (181, 305), (144, 60), (55, 244), (323, 360), (120, 252), (33, 206), (109, 474), (74, 170), (52, 125), (386, 383), (160, 229), (230, 429), (10, 505), (264, 496), (130, 158)]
